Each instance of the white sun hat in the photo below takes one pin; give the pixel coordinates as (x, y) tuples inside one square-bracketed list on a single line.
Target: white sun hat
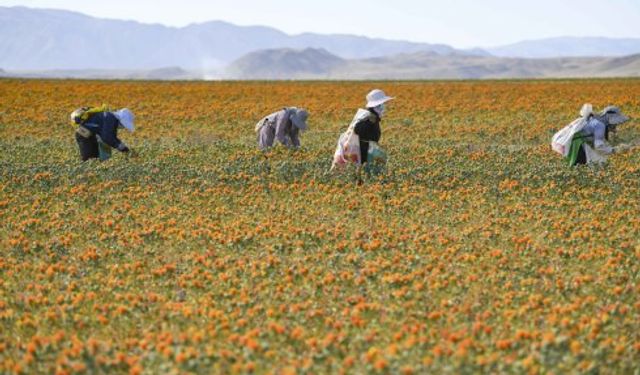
[(614, 115), (126, 118), (377, 97)]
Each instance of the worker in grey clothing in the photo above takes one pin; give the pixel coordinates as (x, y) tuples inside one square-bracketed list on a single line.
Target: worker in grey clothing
[(601, 125), (284, 125)]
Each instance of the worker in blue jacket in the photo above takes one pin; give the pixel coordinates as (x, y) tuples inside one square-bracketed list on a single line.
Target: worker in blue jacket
[(99, 133)]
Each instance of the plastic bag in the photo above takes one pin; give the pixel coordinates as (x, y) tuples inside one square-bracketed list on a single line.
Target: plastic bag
[(561, 141), (104, 151), (376, 154), (347, 151), (376, 159)]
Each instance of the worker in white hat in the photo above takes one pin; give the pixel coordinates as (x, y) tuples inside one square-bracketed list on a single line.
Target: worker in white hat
[(97, 131), (284, 125), (368, 127)]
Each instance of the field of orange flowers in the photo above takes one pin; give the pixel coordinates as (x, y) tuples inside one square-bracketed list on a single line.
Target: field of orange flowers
[(478, 251)]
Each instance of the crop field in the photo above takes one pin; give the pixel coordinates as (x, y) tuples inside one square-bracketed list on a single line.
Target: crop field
[(478, 251)]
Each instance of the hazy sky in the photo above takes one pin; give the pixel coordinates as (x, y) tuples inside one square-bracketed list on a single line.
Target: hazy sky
[(460, 23)]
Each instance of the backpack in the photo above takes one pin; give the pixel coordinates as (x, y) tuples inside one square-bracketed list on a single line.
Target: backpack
[(81, 115)]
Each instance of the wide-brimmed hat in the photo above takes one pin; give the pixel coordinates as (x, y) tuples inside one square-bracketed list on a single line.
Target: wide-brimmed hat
[(126, 118), (377, 97), (299, 118), (614, 115)]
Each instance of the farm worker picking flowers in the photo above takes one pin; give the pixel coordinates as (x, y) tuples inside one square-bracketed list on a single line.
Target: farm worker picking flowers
[(359, 144), (585, 140), (284, 125), (97, 131)]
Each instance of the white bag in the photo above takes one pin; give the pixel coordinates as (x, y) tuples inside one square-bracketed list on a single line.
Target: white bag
[(348, 149), (561, 141)]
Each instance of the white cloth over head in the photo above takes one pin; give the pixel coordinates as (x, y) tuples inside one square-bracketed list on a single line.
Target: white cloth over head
[(126, 118)]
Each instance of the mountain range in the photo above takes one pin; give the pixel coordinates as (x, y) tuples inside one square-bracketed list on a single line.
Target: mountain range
[(320, 64), (43, 39), (569, 47), (57, 43)]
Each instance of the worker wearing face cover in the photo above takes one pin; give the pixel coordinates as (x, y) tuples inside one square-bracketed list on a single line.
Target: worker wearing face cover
[(368, 128)]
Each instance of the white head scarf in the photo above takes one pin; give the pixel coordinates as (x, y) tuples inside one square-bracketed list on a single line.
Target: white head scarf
[(126, 118)]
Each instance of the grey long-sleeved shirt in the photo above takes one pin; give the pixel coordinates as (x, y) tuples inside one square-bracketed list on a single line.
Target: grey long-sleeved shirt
[(278, 125), (598, 129)]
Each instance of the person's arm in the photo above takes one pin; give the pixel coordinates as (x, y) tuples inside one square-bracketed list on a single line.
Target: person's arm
[(282, 120), (109, 133)]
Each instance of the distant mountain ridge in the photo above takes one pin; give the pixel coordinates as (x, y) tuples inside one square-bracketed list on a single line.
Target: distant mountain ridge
[(285, 64), (319, 64), (569, 47), (69, 40)]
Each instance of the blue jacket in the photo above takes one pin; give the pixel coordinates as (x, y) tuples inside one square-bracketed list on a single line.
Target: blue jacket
[(105, 125)]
